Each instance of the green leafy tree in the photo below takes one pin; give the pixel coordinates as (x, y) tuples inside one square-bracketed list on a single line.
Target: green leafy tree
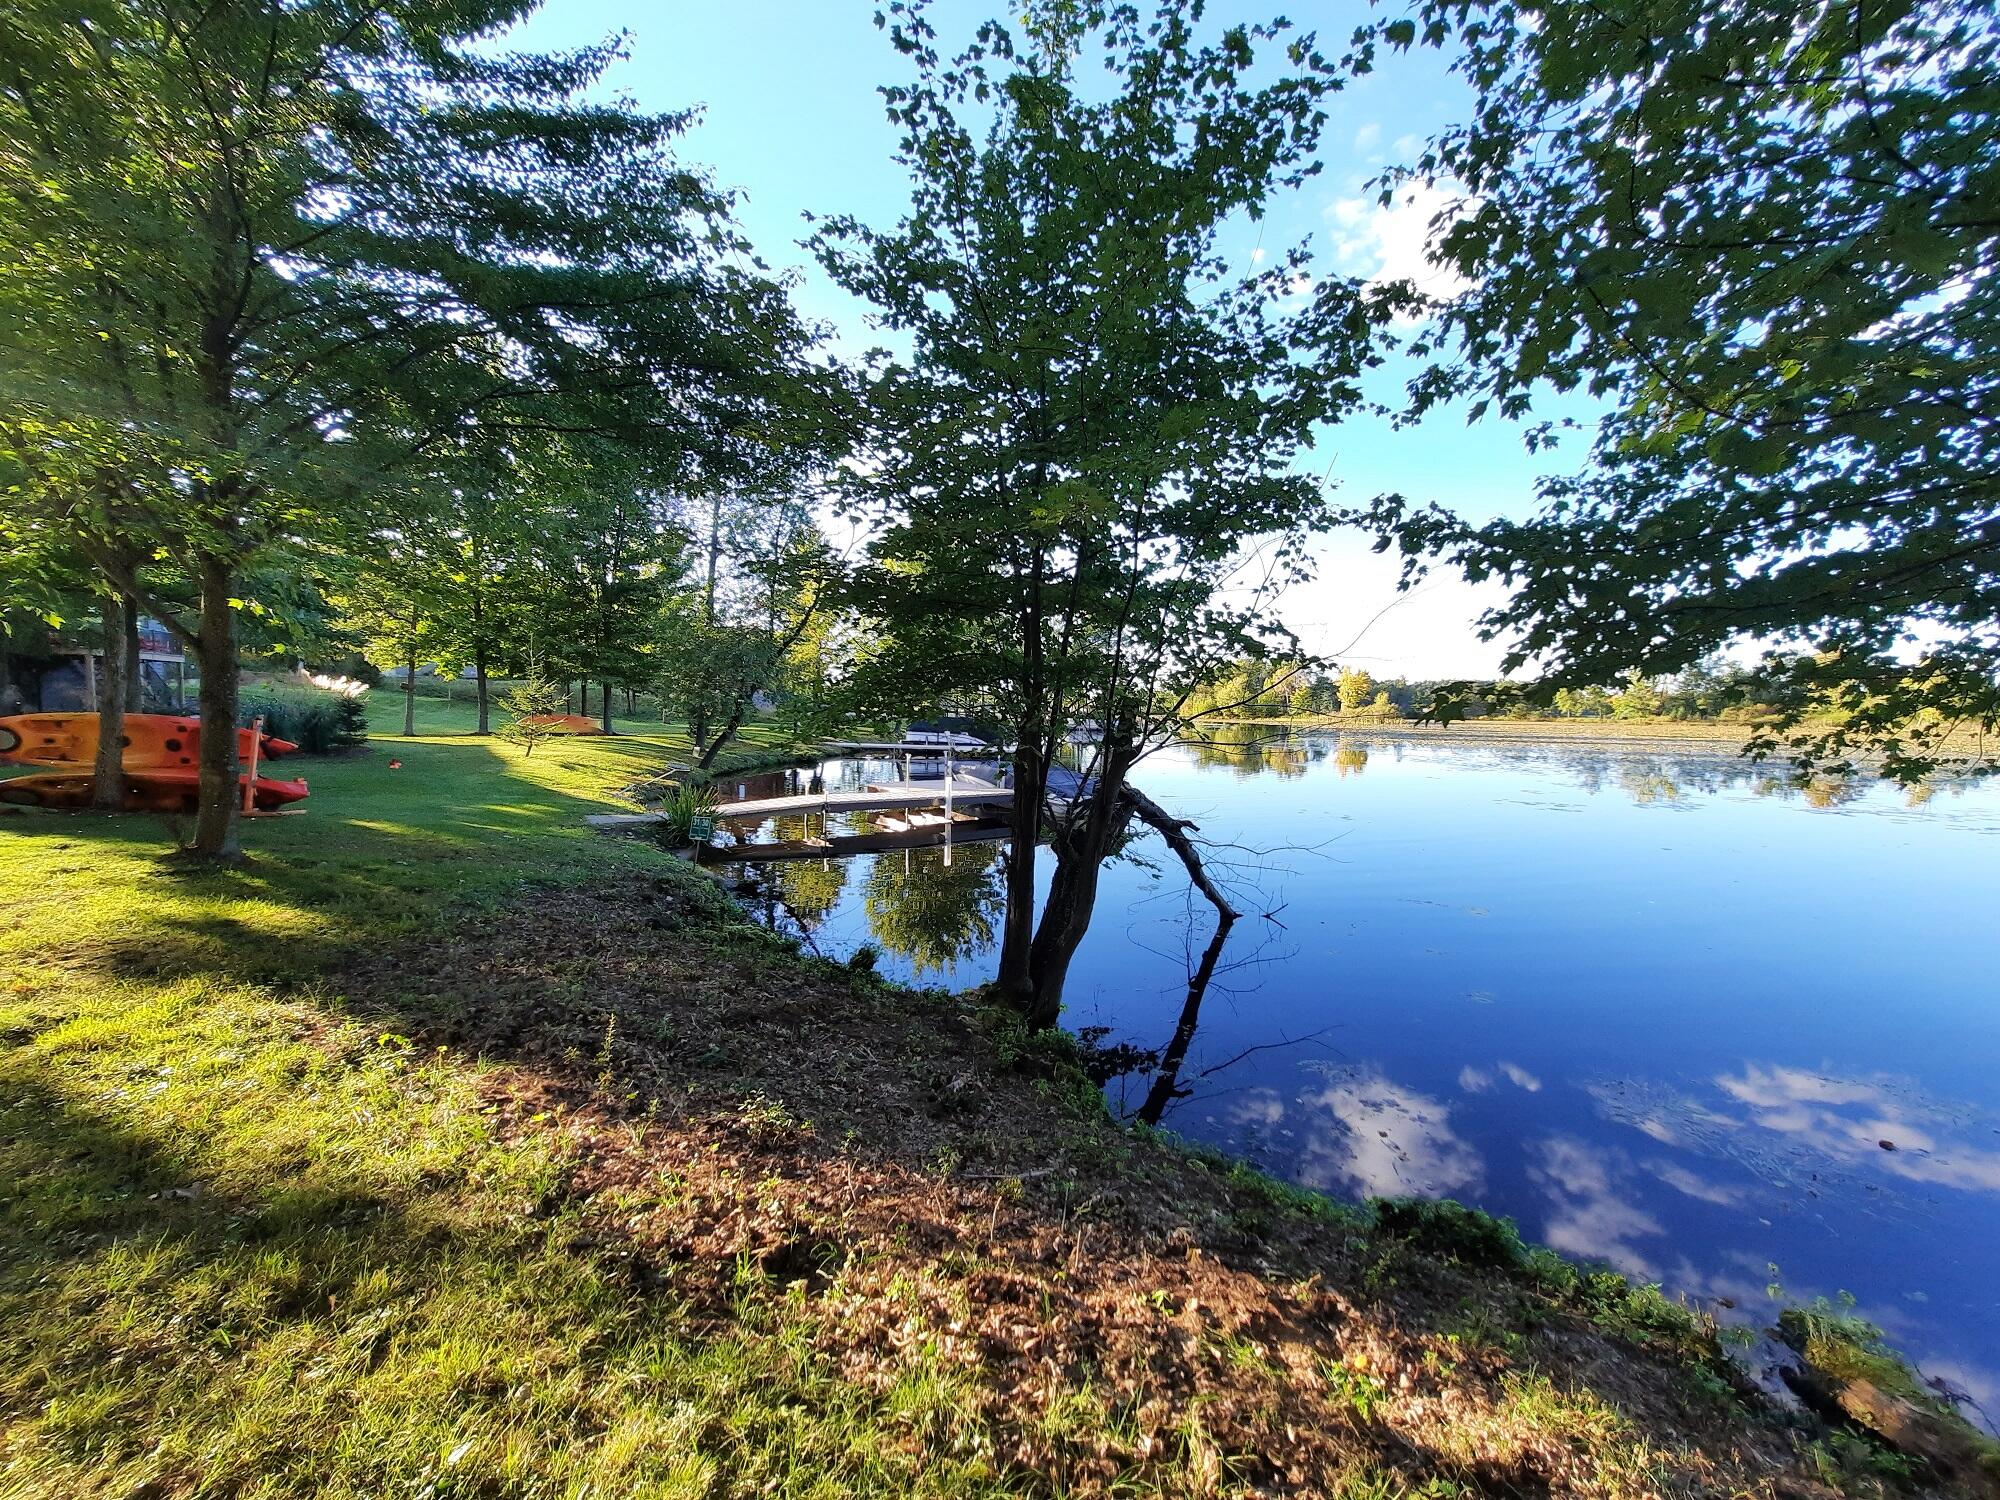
[(759, 612), (1098, 418), (809, 888), (528, 706), (1357, 687), (259, 256), (1763, 233), (931, 912)]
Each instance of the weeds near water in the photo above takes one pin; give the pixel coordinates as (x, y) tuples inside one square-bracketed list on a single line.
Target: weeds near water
[(689, 802)]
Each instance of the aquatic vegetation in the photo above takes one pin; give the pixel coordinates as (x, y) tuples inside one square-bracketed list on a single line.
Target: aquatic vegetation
[(690, 801)]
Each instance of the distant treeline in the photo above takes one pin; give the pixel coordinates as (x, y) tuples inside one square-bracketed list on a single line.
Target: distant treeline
[(1709, 691)]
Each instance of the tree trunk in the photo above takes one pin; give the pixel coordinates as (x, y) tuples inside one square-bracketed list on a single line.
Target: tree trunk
[(410, 694), (479, 657), (604, 720), (1080, 850), (108, 780), (135, 677), (1014, 980), (218, 823), (735, 722), (1065, 919)]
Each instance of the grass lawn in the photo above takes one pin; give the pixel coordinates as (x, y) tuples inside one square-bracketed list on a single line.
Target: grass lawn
[(449, 1150), (250, 1245)]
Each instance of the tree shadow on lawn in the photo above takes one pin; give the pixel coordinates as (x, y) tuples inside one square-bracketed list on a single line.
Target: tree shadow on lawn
[(926, 1179), (377, 1316), (741, 1144)]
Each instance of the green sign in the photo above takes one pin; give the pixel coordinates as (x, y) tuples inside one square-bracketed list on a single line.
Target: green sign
[(701, 828)]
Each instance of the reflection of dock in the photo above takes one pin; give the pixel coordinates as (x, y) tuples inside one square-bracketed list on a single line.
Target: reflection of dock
[(880, 796), (877, 796), (840, 845), (921, 749)]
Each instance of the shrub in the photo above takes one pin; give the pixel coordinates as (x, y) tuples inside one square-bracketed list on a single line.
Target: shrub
[(529, 705), (317, 721), (688, 802), (1452, 1231)]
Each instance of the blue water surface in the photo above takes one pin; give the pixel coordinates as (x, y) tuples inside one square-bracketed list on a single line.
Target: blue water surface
[(1659, 1006)]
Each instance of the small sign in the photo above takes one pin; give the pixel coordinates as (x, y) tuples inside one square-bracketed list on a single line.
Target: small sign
[(701, 828)]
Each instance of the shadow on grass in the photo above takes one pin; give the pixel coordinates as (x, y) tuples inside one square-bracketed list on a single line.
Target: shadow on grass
[(380, 855), (693, 1135)]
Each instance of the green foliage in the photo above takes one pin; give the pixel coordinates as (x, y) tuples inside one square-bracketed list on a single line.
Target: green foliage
[(759, 620), (1099, 418), (317, 721), (1637, 699), (350, 728), (1449, 1230), (930, 912), (689, 801), (527, 705), (1363, 1392), (1357, 688), (291, 287), (1844, 1346), (1759, 232)]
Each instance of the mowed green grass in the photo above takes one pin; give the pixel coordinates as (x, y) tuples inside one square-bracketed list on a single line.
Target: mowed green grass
[(377, 850), (252, 1244)]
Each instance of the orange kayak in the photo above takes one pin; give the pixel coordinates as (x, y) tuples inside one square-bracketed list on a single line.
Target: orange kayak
[(151, 740), (167, 790)]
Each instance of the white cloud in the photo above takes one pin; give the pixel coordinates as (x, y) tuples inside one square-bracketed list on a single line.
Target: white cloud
[(1681, 1179), (1591, 1207), (1479, 1080), (1367, 138), (1850, 1119), (1375, 1137), (1391, 243)]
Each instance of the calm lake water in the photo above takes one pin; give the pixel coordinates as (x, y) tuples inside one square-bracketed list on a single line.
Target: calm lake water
[(1657, 1007)]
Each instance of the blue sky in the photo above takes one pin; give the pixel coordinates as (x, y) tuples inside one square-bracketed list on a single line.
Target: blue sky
[(791, 120)]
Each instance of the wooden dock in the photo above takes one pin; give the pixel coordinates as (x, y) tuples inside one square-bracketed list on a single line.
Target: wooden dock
[(885, 796)]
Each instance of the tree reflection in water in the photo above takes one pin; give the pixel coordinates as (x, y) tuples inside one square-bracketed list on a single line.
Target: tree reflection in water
[(810, 889), (1166, 1085), (933, 912)]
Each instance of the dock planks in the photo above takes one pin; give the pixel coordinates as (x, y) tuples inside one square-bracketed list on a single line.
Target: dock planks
[(966, 791)]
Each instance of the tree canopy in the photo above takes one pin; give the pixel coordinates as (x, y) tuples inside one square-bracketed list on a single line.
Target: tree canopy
[(1764, 236), (1082, 481), (256, 257)]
